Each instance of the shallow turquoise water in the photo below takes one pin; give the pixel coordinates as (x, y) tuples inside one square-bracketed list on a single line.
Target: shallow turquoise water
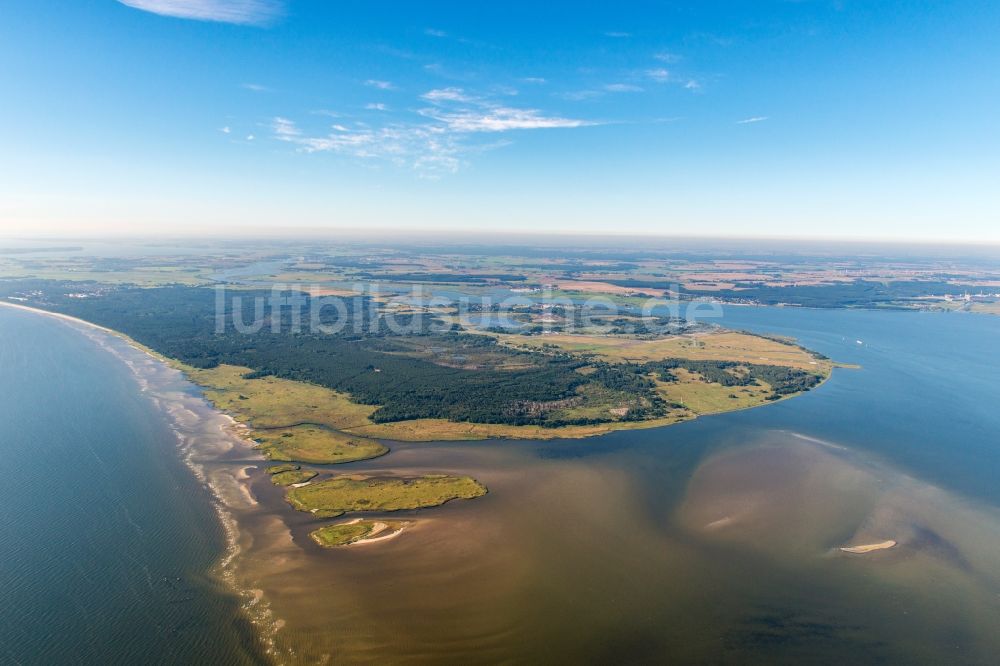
[(106, 539)]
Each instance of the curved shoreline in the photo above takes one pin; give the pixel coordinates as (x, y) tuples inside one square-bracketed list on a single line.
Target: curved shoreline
[(204, 452), (440, 429), (204, 436)]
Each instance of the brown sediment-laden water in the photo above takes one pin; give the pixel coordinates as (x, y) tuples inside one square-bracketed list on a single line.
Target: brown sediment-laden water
[(751, 537)]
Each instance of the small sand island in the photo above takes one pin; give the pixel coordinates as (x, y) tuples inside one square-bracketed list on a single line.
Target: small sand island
[(869, 547), (358, 531)]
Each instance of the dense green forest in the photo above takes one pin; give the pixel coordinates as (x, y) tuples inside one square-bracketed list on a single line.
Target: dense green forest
[(859, 294), (782, 380), (430, 372), (440, 277)]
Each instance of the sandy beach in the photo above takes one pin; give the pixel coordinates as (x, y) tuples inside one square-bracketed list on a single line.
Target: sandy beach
[(869, 547)]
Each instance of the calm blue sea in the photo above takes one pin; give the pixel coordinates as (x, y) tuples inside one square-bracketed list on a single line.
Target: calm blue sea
[(925, 398), (106, 539)]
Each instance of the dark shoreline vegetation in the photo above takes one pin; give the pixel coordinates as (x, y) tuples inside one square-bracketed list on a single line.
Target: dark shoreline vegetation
[(856, 294), (449, 375), (782, 380)]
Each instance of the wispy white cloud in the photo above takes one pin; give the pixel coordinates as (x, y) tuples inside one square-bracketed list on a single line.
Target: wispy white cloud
[(665, 75), (509, 91), (710, 38), (449, 72), (659, 74), (592, 93), (500, 119), (283, 127), (381, 85), (240, 12), (442, 34), (459, 111), (447, 95), (255, 87), (422, 148), (225, 130), (376, 106), (622, 87), (754, 119), (537, 80), (437, 141), (667, 57), (581, 95)]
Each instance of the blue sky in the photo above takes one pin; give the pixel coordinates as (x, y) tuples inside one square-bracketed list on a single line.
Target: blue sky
[(818, 119)]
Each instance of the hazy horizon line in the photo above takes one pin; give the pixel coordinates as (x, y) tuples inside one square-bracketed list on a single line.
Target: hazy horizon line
[(253, 232)]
